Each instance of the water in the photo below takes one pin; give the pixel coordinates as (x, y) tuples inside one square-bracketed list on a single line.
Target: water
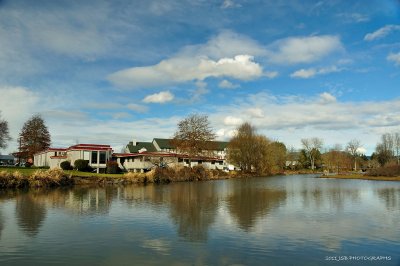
[(283, 220)]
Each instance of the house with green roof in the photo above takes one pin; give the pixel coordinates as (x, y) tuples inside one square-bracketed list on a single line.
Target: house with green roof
[(142, 156)]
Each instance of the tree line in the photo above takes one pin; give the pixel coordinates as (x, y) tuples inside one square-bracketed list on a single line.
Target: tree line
[(247, 149)]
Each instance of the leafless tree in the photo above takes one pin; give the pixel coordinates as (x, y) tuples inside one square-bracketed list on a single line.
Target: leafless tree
[(4, 133), (34, 136), (396, 144), (312, 146), (353, 147), (194, 136)]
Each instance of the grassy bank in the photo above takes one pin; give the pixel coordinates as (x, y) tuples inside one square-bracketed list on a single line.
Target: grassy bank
[(362, 177), (31, 177)]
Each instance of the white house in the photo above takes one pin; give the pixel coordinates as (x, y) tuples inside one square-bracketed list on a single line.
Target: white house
[(97, 156), (142, 156)]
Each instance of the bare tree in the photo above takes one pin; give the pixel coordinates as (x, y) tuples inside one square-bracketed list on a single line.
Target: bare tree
[(396, 144), (312, 147), (34, 137), (194, 136), (4, 133), (352, 147), (243, 147)]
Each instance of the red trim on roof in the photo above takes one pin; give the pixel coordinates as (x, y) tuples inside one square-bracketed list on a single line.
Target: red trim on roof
[(89, 149)]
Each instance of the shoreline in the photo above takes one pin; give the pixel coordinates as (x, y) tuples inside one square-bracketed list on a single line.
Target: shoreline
[(361, 177)]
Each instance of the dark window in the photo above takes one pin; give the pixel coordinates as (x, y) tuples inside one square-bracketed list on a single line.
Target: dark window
[(94, 156), (213, 162), (200, 162), (180, 160), (102, 157), (221, 163)]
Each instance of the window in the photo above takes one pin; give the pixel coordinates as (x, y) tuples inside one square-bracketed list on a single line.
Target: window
[(94, 157), (86, 155), (212, 162), (103, 157), (200, 162), (221, 162)]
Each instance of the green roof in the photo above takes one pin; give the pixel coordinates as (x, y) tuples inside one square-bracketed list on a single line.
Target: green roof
[(221, 145), (140, 145), (166, 144)]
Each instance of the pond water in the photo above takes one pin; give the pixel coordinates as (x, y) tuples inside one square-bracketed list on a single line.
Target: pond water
[(282, 220)]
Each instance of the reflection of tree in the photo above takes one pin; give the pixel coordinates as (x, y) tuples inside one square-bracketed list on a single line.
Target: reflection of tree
[(1, 223), (391, 197), (193, 208), (30, 212), (247, 203)]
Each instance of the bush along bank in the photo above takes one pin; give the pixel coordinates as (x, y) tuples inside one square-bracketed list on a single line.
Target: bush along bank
[(40, 178), (57, 177)]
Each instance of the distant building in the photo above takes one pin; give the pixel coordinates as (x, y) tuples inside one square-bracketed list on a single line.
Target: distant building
[(7, 160), (142, 156), (136, 157), (97, 156)]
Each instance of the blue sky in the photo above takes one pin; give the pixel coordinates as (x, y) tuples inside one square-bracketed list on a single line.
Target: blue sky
[(112, 71)]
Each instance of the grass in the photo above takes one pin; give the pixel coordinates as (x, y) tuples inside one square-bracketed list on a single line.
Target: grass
[(25, 171)]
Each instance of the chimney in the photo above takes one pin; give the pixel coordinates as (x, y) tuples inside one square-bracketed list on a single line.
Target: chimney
[(134, 142)]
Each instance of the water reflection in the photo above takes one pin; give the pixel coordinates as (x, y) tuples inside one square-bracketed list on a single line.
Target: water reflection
[(390, 197), (248, 203), (193, 209), (87, 201), (278, 220), (30, 210)]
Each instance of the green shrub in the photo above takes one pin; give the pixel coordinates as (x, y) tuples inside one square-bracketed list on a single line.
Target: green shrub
[(112, 167), (82, 165), (66, 165)]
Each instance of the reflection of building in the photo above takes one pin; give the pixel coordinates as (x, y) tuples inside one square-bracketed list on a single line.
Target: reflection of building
[(141, 156), (97, 155)]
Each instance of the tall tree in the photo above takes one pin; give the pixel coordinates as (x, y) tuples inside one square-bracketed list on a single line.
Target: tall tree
[(396, 142), (254, 152), (353, 148), (194, 136), (4, 133), (384, 150), (34, 137), (243, 148), (312, 148)]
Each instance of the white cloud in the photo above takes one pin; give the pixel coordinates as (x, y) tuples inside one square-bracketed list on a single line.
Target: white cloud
[(304, 73), (311, 72), (229, 4), (226, 84), (161, 97), (353, 17), (120, 115), (137, 107), (255, 112), (232, 121), (296, 50), (326, 98), (182, 69), (382, 32), (394, 57), (271, 74)]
